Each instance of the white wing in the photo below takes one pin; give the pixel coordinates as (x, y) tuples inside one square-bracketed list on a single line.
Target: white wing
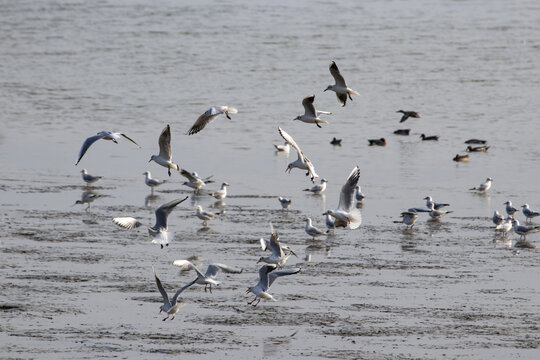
[(127, 222), (346, 198)]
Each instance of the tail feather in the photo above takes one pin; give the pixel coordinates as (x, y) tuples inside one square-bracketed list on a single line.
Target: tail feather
[(355, 219)]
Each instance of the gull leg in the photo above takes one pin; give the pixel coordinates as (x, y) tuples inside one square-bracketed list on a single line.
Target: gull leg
[(210, 288), (255, 305), (205, 285), (161, 246), (349, 96), (172, 317), (169, 171), (319, 126)]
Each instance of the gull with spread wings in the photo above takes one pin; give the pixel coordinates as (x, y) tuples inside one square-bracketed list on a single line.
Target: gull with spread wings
[(171, 306), (340, 87), (311, 115), (209, 278), (346, 213), (302, 162), (165, 154), (105, 135), (210, 115)]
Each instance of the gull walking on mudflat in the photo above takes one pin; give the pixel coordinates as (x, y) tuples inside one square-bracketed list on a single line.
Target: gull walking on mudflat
[(165, 154), (312, 230), (483, 187), (221, 193), (408, 218), (302, 162), (319, 188), (148, 180), (105, 135), (340, 87), (510, 210), (158, 232), (87, 197), (408, 114), (285, 203), (210, 115), (89, 179), (523, 230), (267, 275), (209, 278), (171, 306), (346, 214), (529, 214), (311, 115)]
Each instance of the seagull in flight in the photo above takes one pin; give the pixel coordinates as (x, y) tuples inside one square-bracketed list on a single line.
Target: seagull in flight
[(267, 275), (340, 87), (165, 154), (311, 115), (171, 306), (195, 181), (105, 135), (302, 162), (346, 214), (158, 232), (210, 115), (209, 278), (278, 256)]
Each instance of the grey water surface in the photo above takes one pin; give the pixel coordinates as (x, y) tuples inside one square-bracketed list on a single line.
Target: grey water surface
[(75, 286)]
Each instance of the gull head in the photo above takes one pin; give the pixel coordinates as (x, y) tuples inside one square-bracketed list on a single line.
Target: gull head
[(261, 259), (324, 181), (83, 171), (153, 157), (489, 179), (297, 118), (508, 203), (428, 198), (289, 168), (526, 206), (329, 87), (146, 173)]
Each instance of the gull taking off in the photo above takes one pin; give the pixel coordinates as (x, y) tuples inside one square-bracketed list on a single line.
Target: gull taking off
[(221, 193), (158, 232), (267, 275), (408, 114), (483, 187), (148, 180), (529, 214), (408, 218), (278, 256), (436, 206), (265, 244), (105, 135), (89, 179), (172, 306), (346, 214), (319, 188), (340, 87), (311, 115), (210, 115), (209, 278), (302, 162), (195, 182), (165, 154)]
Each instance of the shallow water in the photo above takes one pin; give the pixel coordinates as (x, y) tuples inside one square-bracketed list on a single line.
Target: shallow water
[(75, 286)]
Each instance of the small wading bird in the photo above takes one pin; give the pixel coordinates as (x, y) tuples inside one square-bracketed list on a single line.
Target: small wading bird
[(302, 162), (408, 114), (158, 232), (205, 215), (340, 87), (346, 214), (408, 218), (105, 135), (483, 187), (209, 278), (171, 306), (148, 180), (267, 275), (165, 154), (89, 179), (311, 115), (210, 115), (87, 197)]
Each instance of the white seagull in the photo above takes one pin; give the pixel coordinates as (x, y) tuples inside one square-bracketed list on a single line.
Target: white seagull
[(408, 218), (209, 278), (278, 256), (89, 179), (529, 214), (311, 115), (523, 230), (285, 203), (148, 180), (205, 215), (497, 218), (158, 232), (312, 230), (171, 306), (483, 187), (437, 214), (210, 115), (346, 214), (105, 135), (436, 206), (221, 193), (267, 275), (87, 197), (505, 226), (165, 154), (283, 148), (302, 162), (319, 188), (195, 181), (340, 87), (510, 210), (359, 194)]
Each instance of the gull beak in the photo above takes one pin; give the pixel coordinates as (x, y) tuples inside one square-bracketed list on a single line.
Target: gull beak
[(325, 89), (160, 311)]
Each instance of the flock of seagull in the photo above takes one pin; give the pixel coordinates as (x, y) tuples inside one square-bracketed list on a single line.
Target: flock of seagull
[(345, 215)]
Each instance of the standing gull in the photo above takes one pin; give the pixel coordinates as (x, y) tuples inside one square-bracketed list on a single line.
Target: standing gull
[(87, 197), (148, 180), (221, 193), (158, 232), (523, 230), (171, 306), (319, 188), (505, 226), (89, 179), (285, 203), (408, 114), (210, 115), (302, 162), (510, 210), (267, 275), (312, 230), (529, 214), (483, 187), (205, 215), (408, 218), (105, 135), (283, 148), (311, 115), (497, 218), (359, 195), (340, 87), (346, 214), (209, 278), (330, 223), (437, 214), (165, 154)]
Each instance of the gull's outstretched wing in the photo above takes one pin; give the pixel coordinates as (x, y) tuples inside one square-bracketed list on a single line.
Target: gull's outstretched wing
[(204, 120), (263, 276), (161, 289), (163, 211), (346, 197), (89, 141), (213, 269), (127, 222), (278, 273), (337, 75), (309, 108), (165, 143), (128, 138)]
